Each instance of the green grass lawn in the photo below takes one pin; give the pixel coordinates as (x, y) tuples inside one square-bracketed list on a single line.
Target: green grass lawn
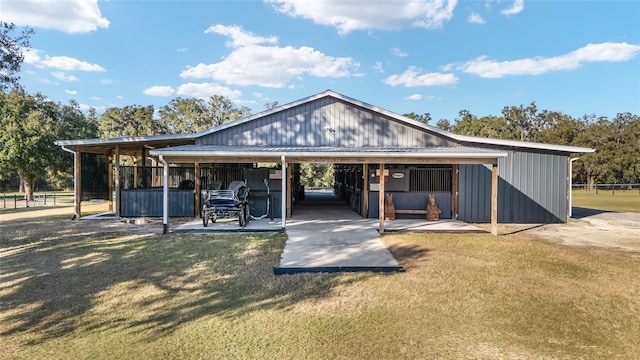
[(96, 290), (620, 200)]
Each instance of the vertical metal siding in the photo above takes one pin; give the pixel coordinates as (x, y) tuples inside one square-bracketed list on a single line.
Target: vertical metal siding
[(531, 189), (148, 202), (307, 125)]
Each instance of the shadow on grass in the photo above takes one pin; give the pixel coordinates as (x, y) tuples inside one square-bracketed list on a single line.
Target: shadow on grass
[(60, 277), (409, 256)]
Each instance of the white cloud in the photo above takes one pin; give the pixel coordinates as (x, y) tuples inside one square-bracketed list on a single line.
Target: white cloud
[(610, 52), (72, 16), (412, 78), (62, 76), (183, 49), (397, 52), (95, 98), (378, 67), (68, 63), (206, 90), (157, 90), (414, 97), (107, 81), (71, 92), (348, 16), (32, 56), (120, 97), (239, 37), (518, 6), (475, 18), (269, 66)]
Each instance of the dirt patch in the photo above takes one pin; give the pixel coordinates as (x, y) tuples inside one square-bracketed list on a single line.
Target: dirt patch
[(589, 228), (612, 230)]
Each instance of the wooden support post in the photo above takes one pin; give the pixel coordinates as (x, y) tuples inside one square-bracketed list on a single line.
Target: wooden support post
[(197, 189), (135, 171), (117, 181), (110, 177), (77, 189), (365, 190), (155, 179), (494, 199), (455, 180), (381, 199), (145, 185)]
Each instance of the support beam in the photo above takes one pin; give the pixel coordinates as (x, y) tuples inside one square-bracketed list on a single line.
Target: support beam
[(494, 199), (165, 196), (455, 181), (365, 190), (283, 196), (110, 177), (135, 171), (381, 199), (198, 193), (77, 184), (117, 181)]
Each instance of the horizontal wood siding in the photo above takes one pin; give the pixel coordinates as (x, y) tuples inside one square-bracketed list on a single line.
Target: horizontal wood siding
[(325, 122), (148, 202)]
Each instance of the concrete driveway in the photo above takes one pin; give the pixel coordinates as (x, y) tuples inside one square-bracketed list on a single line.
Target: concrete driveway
[(325, 236)]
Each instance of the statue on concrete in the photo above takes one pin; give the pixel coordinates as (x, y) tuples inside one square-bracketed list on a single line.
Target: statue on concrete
[(433, 212)]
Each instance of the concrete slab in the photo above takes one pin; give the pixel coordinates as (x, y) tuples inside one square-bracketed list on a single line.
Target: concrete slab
[(442, 226), (325, 236), (229, 225)]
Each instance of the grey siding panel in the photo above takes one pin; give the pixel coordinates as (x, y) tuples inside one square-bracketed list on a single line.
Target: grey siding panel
[(309, 124), (474, 184), (531, 189), (148, 202)]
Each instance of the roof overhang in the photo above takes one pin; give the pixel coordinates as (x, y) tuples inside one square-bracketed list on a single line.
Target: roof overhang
[(131, 145), (253, 154)]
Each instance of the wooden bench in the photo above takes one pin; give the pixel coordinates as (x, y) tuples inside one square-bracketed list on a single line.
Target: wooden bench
[(422, 212)]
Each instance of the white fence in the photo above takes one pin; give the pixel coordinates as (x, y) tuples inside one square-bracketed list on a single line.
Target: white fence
[(595, 188)]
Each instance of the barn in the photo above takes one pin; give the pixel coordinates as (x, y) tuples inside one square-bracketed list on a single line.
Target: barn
[(374, 153)]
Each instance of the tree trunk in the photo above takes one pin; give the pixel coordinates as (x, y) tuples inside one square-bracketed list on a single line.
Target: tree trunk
[(28, 188), (590, 184)]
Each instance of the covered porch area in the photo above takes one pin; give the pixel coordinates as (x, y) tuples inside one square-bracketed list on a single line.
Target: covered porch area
[(287, 157)]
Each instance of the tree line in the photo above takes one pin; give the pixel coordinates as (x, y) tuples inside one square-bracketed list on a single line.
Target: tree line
[(617, 140), (31, 123)]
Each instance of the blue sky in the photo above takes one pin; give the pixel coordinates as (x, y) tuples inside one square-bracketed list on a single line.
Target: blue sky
[(435, 56)]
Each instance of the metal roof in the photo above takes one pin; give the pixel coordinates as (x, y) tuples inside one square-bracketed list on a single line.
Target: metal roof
[(178, 139), (402, 119)]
